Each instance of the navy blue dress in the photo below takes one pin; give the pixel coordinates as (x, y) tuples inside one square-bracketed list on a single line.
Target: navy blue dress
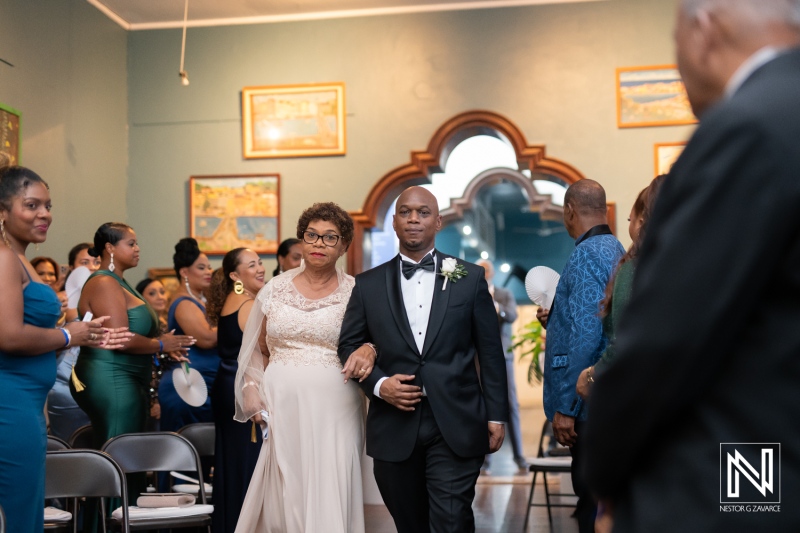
[(175, 413), (235, 455), (25, 381)]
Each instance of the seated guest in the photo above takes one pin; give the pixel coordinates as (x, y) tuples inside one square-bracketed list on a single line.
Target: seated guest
[(48, 270), (187, 315), (79, 256), (289, 255), (233, 291)]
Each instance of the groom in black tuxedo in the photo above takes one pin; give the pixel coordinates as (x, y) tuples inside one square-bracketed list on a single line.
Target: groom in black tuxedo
[(433, 415)]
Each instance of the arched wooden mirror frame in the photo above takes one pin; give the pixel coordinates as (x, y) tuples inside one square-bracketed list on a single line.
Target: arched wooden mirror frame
[(432, 160)]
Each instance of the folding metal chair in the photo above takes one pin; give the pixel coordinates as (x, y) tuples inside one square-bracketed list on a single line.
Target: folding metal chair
[(547, 464), (84, 474), (83, 438), (159, 452), (55, 444)]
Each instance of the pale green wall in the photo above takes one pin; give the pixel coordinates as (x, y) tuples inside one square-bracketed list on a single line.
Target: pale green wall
[(550, 69), (69, 81)]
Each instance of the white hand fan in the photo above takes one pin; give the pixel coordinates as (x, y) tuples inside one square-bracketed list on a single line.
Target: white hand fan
[(75, 282), (540, 284), (190, 385)]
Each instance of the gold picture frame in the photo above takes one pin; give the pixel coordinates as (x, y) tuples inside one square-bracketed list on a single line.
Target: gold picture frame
[(665, 156), (293, 120), (10, 145), (652, 96), (232, 211)]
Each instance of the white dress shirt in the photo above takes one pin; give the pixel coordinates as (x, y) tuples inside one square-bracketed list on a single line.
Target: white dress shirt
[(417, 298)]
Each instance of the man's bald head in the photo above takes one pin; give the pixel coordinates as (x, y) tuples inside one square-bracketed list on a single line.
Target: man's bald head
[(421, 196), (715, 37), (755, 11), (587, 197)]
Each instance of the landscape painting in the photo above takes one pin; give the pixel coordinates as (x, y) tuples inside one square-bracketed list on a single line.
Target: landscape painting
[(666, 154), (293, 120), (9, 135), (228, 212), (652, 96)]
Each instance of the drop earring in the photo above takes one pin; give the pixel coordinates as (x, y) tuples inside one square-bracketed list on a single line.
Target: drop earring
[(238, 287), (186, 283), (3, 231), (111, 266)]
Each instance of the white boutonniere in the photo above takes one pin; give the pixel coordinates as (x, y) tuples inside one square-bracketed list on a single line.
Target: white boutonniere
[(452, 271)]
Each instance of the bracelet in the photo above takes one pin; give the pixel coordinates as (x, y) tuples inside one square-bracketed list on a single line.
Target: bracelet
[(589, 376), (67, 337), (374, 349), (160, 346)]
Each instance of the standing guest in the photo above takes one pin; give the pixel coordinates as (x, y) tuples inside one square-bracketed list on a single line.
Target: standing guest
[(63, 413), (289, 255), (113, 385), (432, 416), (154, 293), (79, 256), (233, 291), (308, 475), (187, 315), (28, 342), (47, 269), (707, 349), (575, 337), (618, 290), (506, 308)]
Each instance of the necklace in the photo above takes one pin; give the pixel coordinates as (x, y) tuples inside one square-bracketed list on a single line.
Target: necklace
[(201, 299)]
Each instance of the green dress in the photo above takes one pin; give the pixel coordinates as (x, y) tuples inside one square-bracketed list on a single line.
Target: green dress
[(621, 294), (117, 385)]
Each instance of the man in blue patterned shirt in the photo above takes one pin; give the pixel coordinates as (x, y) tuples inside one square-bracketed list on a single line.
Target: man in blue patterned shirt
[(575, 337)]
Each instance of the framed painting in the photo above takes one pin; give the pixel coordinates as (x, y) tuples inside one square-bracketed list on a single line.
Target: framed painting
[(227, 212), (652, 96), (665, 156), (293, 120), (9, 135)]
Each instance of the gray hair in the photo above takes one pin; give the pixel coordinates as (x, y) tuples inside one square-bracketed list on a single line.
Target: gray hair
[(785, 11)]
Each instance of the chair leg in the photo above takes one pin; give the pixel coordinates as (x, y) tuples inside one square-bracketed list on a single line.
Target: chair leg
[(547, 501), (530, 501)]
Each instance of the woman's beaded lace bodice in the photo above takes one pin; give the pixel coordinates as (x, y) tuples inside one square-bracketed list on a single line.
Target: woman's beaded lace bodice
[(301, 331)]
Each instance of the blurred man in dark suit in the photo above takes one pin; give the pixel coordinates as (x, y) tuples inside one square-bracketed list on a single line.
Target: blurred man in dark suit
[(708, 361)]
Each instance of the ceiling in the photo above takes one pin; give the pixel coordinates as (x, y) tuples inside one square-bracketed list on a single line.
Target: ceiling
[(151, 14)]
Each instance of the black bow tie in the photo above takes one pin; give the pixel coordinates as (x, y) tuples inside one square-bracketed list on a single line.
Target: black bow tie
[(426, 264)]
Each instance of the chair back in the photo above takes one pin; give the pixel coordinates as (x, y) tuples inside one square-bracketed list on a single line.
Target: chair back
[(83, 438), (55, 444), (85, 473), (202, 436), (159, 451)]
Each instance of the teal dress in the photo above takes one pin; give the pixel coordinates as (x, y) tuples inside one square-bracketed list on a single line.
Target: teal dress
[(117, 385), (24, 383)]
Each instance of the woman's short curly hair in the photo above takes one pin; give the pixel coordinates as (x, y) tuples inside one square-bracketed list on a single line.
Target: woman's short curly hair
[(329, 212)]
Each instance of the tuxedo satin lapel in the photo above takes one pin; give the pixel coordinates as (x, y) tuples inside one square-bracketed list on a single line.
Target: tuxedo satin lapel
[(438, 306), (396, 304)]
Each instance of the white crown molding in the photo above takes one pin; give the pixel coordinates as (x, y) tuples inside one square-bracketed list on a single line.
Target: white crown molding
[(322, 15)]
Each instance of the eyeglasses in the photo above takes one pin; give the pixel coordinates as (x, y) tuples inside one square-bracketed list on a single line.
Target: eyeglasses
[(329, 239)]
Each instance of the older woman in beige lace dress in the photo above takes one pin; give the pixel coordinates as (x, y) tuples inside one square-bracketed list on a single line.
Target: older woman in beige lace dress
[(308, 476)]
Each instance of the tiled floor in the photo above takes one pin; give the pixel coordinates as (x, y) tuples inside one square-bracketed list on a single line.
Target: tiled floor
[(501, 498)]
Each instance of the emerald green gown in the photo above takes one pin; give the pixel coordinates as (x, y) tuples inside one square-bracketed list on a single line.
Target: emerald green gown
[(117, 385)]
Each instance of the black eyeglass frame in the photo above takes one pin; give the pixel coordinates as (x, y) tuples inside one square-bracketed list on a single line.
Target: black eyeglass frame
[(323, 237)]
